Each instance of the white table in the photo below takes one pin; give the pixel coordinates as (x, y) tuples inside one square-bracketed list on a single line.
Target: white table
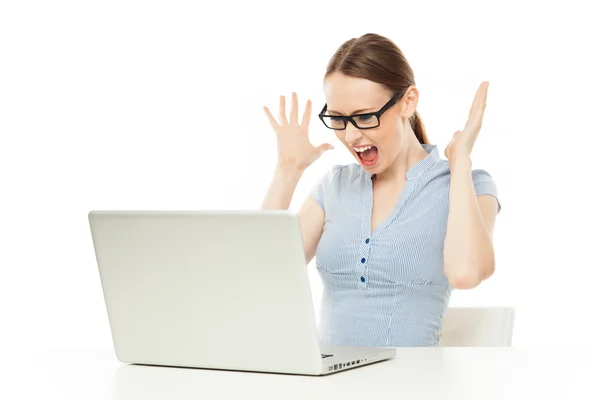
[(416, 373)]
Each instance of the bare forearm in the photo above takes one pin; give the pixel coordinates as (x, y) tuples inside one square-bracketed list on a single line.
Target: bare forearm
[(468, 248), (280, 192)]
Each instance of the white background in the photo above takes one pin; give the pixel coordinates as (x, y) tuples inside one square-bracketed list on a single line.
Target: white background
[(158, 105)]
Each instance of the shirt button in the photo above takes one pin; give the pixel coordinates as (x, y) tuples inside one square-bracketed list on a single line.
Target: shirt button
[(362, 260), (367, 241), (362, 279)]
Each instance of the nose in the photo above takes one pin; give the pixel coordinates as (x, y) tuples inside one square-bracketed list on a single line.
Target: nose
[(352, 133)]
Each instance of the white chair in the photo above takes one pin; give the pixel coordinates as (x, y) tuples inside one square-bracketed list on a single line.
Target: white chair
[(477, 327)]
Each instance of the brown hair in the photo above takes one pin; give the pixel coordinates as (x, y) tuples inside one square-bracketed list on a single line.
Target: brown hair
[(379, 60)]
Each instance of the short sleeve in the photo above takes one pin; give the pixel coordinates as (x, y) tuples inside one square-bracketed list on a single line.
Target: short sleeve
[(484, 184), (320, 188)]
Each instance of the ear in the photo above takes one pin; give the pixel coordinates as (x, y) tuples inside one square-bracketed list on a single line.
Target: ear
[(408, 102)]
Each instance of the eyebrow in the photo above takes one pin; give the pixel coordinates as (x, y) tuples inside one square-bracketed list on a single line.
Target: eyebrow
[(352, 113)]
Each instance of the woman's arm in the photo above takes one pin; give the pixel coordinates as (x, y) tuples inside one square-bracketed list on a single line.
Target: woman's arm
[(310, 215), (295, 153), (468, 248), (282, 188)]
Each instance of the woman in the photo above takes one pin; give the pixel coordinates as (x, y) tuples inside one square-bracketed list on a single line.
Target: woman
[(394, 233)]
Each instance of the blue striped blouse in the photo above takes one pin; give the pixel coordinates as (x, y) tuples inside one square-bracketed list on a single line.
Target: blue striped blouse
[(387, 287)]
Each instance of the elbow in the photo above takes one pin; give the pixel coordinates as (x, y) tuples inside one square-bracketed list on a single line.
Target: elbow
[(470, 278), (464, 281)]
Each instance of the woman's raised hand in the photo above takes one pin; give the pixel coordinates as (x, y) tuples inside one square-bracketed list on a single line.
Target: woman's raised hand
[(293, 146)]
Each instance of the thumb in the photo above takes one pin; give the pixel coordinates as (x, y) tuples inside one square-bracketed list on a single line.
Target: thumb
[(324, 147)]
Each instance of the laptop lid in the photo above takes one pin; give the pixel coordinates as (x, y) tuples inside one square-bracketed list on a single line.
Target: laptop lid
[(210, 289)]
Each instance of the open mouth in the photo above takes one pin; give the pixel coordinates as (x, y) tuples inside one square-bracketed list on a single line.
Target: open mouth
[(368, 155)]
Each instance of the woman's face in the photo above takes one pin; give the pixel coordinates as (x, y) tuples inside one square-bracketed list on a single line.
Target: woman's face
[(347, 95)]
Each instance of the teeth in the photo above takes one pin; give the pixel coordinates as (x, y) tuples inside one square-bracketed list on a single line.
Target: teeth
[(361, 149)]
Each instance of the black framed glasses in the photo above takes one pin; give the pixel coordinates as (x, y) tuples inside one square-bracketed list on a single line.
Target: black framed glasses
[(361, 121)]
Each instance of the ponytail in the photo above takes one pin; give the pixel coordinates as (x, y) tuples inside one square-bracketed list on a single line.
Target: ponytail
[(417, 126)]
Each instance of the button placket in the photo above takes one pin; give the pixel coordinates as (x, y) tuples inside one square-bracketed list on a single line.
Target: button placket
[(362, 268), (364, 249)]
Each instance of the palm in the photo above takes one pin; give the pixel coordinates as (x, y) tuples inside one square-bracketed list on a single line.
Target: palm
[(463, 141), (293, 146)]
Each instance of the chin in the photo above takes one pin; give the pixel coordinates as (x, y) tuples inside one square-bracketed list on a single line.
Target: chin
[(376, 168)]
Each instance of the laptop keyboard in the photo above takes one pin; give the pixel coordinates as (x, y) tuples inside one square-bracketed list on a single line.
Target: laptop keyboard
[(326, 355)]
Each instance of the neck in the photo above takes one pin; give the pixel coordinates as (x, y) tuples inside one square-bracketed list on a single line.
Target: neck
[(410, 155)]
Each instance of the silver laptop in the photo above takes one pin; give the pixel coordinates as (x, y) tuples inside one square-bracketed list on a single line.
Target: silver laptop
[(214, 289)]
